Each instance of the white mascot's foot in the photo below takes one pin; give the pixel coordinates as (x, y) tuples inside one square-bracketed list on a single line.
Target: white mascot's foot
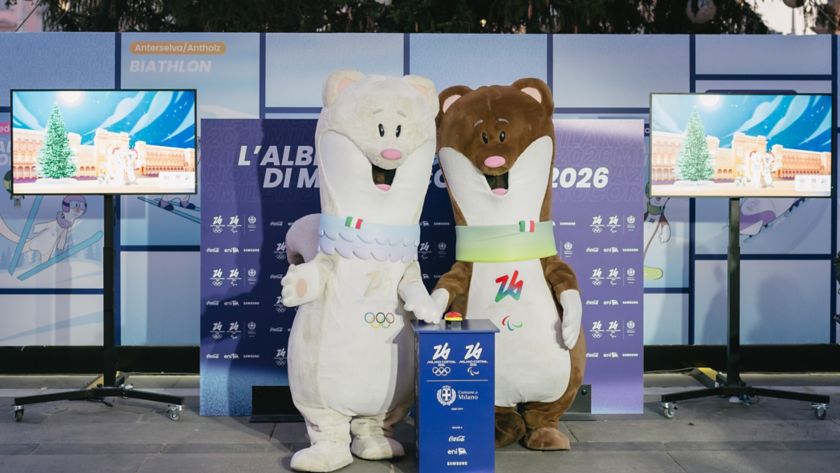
[(322, 457), (376, 447)]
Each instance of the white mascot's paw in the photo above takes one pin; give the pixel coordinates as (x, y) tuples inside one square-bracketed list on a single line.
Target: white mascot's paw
[(572, 316), (424, 307), (376, 447), (300, 284), (322, 457)]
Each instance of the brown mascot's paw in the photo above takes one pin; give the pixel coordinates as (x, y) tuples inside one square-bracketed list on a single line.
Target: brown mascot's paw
[(510, 427), (546, 438)]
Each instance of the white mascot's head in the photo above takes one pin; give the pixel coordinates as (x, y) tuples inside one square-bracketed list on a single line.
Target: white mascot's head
[(375, 144)]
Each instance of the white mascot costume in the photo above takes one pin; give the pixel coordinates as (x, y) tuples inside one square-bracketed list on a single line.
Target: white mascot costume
[(351, 351)]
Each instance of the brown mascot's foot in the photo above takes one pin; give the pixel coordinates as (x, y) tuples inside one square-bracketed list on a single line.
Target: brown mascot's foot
[(510, 427), (546, 438)]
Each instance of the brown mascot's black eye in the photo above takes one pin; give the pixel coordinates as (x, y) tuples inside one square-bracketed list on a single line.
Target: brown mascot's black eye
[(381, 130), (399, 129), (502, 136), (484, 137)]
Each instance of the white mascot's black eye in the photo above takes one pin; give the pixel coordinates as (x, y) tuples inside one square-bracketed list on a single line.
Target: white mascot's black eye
[(381, 130), (399, 129)]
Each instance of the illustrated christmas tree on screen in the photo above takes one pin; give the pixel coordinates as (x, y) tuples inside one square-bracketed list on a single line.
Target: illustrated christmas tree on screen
[(55, 159), (695, 162)]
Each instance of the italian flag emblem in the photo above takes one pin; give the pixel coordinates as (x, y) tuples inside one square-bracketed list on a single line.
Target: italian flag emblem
[(351, 222), (527, 226)]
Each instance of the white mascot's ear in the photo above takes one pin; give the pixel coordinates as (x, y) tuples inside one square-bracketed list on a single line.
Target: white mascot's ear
[(427, 90), (338, 81)]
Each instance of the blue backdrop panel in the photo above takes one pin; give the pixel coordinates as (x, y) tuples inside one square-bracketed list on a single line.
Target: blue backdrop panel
[(666, 321), (298, 64), (769, 226), (158, 288), (225, 69), (772, 302), (586, 69), (476, 60), (56, 61), (50, 319), (763, 54), (666, 258)]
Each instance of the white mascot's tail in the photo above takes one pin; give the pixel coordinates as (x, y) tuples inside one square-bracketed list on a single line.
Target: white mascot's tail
[(302, 239)]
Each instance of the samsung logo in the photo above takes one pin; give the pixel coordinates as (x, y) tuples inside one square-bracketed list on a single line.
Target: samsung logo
[(630, 250), (251, 303), (251, 250), (630, 302), (254, 357), (629, 355)]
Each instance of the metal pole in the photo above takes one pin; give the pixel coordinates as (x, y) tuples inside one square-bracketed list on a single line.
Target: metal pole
[(733, 343)]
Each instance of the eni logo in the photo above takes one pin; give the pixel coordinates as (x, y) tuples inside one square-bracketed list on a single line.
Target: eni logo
[(509, 324), (509, 286)]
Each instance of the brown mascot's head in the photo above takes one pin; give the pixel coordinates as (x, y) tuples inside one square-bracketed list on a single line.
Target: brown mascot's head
[(496, 148)]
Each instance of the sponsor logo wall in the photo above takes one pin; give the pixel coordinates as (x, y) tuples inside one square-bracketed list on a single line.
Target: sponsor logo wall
[(598, 171)]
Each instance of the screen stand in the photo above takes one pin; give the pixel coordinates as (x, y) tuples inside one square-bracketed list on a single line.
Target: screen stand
[(111, 385), (730, 384)]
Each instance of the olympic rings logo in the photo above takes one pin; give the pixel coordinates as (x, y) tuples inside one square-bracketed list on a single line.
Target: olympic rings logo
[(379, 319), (441, 370)]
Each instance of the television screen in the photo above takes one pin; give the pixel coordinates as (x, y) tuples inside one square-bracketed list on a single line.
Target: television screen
[(103, 141), (740, 145)]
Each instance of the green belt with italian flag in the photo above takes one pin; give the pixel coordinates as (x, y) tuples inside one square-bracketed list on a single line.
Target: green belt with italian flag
[(503, 243)]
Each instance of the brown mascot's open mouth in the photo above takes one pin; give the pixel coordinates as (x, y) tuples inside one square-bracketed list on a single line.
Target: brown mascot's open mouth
[(382, 178), (498, 184)]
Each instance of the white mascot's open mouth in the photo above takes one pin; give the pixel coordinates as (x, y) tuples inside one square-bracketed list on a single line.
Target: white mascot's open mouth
[(382, 178)]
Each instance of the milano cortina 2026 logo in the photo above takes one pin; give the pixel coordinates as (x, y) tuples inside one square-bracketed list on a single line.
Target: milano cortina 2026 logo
[(509, 286)]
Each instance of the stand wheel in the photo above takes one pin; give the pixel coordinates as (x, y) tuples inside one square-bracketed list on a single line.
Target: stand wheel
[(820, 411), (174, 412), (668, 409), (18, 413)]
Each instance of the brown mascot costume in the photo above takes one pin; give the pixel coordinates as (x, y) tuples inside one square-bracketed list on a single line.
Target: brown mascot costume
[(496, 149)]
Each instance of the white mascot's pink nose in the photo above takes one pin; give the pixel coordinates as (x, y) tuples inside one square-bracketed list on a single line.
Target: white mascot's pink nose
[(391, 154)]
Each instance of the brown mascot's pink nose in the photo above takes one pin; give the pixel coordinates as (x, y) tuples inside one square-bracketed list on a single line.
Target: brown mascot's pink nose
[(494, 161), (391, 153)]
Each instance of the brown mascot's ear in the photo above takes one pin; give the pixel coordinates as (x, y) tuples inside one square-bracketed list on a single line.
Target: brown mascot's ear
[(451, 95), (537, 90)]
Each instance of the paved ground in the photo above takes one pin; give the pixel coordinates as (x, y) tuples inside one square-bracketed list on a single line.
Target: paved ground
[(705, 436)]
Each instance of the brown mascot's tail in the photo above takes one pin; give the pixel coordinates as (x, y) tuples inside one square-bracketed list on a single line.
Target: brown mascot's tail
[(302, 239)]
